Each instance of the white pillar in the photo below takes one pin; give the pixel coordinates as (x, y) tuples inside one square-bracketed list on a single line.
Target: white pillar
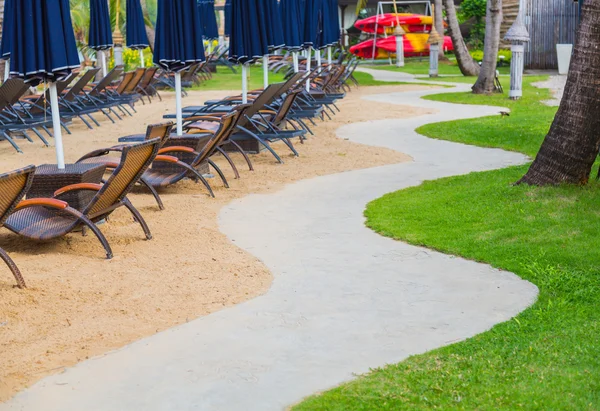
[(244, 83), (6, 69), (118, 54), (178, 106), (516, 70), (102, 61), (295, 61), (142, 62), (399, 51), (318, 54), (329, 56), (266, 71), (433, 59), (56, 127), (308, 62)]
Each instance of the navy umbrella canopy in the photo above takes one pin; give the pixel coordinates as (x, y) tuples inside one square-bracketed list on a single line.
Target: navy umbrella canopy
[(274, 27), (178, 42), (7, 29), (292, 18), (332, 23), (208, 19), (227, 13), (100, 35), (43, 48), (135, 28), (248, 40), (311, 27)]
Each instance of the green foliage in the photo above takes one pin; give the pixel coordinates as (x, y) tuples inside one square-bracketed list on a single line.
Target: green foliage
[(131, 59), (504, 56), (475, 9), (547, 356)]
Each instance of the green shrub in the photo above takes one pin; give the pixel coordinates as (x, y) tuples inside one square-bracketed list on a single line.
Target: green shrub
[(131, 59), (478, 56)]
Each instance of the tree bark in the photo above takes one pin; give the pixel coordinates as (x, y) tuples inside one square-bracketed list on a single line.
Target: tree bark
[(439, 25), (468, 66), (487, 74), (571, 146)]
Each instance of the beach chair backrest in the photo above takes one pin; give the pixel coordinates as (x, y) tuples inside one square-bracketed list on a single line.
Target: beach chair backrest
[(135, 159), (127, 78), (80, 84), (135, 81), (11, 88), (148, 77), (228, 124), (286, 106), (160, 130), (13, 187), (265, 98), (107, 80)]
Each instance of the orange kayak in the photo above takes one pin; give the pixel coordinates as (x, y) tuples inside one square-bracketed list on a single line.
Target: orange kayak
[(385, 23), (415, 44)]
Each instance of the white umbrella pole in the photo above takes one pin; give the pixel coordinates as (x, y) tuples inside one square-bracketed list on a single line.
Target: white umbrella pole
[(244, 83), (318, 53), (329, 57), (295, 61), (178, 107), (308, 62), (266, 70), (56, 127), (142, 62), (6, 69), (103, 59)]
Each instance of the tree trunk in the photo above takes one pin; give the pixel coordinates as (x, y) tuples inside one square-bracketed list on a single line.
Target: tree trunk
[(468, 66), (487, 74), (439, 25), (571, 146), (150, 31)]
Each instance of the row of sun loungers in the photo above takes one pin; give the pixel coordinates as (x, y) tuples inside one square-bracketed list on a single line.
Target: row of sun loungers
[(159, 158)]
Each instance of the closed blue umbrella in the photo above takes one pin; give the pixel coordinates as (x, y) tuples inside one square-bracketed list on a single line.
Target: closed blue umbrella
[(208, 19), (100, 34), (135, 29), (331, 25), (274, 31), (248, 40), (178, 42), (6, 35), (227, 13), (292, 19), (310, 31), (43, 48)]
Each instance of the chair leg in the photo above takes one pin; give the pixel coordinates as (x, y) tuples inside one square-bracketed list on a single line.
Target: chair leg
[(98, 234), (230, 161), (93, 119), (138, 217), (154, 193), (85, 122), (13, 267), (243, 153), (218, 170), (263, 142), (41, 137), (12, 142)]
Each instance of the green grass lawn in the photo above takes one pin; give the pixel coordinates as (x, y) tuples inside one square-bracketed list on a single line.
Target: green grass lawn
[(546, 358)]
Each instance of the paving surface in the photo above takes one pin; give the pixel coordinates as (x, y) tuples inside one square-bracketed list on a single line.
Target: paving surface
[(344, 299)]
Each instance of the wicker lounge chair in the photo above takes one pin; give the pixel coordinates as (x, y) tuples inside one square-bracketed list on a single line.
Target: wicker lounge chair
[(48, 218), (13, 187)]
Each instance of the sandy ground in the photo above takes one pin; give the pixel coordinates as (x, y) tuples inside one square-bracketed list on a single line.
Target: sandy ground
[(79, 305)]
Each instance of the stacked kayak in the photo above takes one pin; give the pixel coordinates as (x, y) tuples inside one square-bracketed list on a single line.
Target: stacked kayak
[(416, 27)]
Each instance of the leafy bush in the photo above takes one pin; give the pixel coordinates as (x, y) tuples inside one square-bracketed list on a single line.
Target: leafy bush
[(478, 56), (475, 9), (131, 59)]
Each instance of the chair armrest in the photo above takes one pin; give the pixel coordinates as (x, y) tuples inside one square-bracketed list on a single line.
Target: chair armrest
[(167, 159), (267, 111), (46, 202), (203, 118), (76, 187), (176, 149)]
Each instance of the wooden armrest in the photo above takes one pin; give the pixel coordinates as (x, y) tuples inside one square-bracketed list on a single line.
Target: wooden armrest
[(111, 164), (48, 202), (168, 159), (80, 186), (203, 117), (176, 149), (267, 111)]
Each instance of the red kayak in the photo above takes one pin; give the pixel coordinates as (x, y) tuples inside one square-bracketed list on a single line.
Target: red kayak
[(415, 44), (385, 23)]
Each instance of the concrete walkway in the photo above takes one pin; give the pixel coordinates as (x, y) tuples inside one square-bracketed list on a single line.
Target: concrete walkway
[(344, 299)]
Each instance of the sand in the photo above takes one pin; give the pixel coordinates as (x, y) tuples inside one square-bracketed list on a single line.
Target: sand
[(79, 305)]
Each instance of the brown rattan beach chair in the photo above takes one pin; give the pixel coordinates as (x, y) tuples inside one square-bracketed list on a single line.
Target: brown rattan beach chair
[(13, 187), (45, 219)]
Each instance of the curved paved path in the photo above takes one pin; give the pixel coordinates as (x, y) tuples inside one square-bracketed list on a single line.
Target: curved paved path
[(344, 299)]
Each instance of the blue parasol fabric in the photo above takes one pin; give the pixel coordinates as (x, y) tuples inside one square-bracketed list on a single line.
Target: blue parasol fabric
[(100, 35), (331, 23), (248, 40), (178, 42), (135, 28), (311, 27), (208, 19), (292, 18), (7, 29), (227, 13), (274, 26), (44, 45)]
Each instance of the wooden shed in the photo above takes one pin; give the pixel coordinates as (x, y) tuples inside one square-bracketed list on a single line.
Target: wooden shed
[(549, 22)]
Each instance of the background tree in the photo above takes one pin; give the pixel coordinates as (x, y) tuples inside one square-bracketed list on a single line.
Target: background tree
[(475, 10), (571, 146), (487, 73), (468, 66), (439, 24)]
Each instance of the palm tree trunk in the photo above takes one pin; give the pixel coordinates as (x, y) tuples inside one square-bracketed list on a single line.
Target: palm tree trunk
[(571, 146), (468, 66), (439, 25), (487, 74)]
